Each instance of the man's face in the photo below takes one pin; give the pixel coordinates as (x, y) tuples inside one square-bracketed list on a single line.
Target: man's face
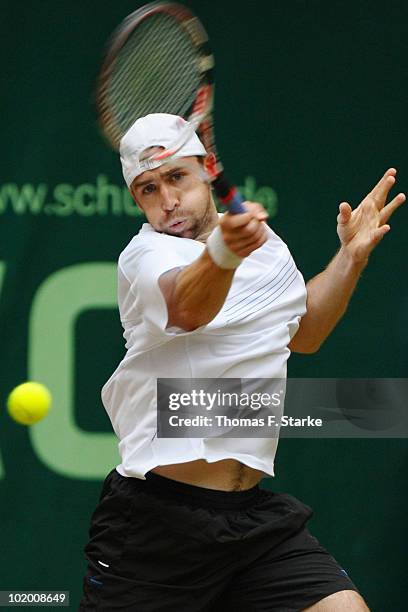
[(176, 199)]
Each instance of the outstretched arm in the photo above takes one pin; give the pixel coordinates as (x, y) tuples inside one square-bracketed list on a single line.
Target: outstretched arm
[(196, 293), (329, 293)]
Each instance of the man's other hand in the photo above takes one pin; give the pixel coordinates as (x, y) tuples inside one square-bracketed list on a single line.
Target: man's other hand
[(361, 229)]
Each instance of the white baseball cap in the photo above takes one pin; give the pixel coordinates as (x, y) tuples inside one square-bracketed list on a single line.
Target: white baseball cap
[(155, 130)]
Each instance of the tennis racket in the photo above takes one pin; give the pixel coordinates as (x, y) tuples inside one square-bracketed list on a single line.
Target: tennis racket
[(159, 61)]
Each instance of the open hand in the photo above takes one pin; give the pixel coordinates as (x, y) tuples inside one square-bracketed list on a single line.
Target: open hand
[(361, 229)]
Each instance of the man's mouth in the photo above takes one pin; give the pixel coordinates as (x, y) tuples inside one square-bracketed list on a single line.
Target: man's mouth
[(177, 225)]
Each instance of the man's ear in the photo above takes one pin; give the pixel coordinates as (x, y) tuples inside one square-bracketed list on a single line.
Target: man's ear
[(210, 163)]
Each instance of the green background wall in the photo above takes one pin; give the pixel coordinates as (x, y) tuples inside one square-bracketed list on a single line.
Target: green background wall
[(319, 92)]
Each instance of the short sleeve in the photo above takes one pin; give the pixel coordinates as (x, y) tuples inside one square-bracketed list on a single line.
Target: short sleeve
[(140, 296)]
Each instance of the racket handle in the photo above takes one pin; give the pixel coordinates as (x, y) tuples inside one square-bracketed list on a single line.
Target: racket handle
[(229, 195)]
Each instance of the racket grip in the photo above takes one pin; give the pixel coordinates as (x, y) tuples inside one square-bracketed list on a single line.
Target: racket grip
[(229, 195)]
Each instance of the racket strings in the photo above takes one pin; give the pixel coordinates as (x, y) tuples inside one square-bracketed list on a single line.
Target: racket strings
[(156, 70)]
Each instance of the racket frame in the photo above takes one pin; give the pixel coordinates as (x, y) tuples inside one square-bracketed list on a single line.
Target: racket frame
[(199, 114)]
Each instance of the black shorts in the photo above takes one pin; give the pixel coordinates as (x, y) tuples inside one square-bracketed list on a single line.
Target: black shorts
[(163, 546)]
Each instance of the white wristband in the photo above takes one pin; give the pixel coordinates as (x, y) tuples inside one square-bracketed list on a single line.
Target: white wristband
[(220, 253)]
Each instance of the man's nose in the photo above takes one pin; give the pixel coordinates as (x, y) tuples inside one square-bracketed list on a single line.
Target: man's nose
[(169, 198)]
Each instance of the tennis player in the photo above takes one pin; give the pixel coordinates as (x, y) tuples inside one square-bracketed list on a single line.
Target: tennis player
[(182, 524)]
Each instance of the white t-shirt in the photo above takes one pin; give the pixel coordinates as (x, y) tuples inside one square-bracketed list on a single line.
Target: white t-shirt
[(247, 339)]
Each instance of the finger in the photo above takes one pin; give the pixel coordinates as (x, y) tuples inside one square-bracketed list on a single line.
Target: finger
[(344, 215), (229, 221), (379, 233), (364, 250), (245, 248), (244, 238), (380, 191), (250, 229), (254, 209), (262, 216), (392, 206), (257, 211)]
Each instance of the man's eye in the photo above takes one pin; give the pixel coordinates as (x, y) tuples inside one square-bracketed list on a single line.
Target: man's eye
[(177, 176), (150, 188)]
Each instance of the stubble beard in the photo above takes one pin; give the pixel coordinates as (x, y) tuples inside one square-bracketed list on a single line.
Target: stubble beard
[(202, 226), (205, 225)]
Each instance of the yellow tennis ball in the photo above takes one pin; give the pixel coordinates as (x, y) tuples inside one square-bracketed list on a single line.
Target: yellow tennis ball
[(29, 403)]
